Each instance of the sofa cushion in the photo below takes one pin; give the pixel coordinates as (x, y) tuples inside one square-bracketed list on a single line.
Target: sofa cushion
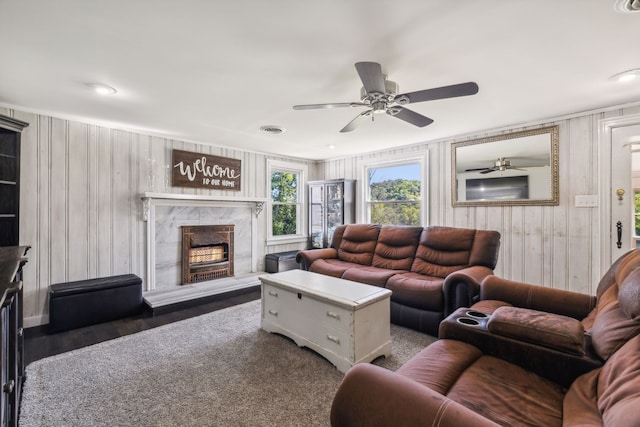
[(443, 250), (489, 305), (508, 394), (494, 388), (609, 395), (330, 267), (580, 407), (417, 291), (484, 251), (629, 294), (611, 327), (396, 247), (439, 365), (358, 243), (618, 388), (370, 275), (538, 327)]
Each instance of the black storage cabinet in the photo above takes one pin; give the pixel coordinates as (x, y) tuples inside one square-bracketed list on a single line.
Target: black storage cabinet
[(87, 302), (281, 261)]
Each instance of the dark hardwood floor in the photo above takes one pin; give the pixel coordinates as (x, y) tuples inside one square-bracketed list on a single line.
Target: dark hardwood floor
[(38, 343)]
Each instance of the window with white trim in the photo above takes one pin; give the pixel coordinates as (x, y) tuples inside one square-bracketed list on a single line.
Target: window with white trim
[(394, 192), (286, 205)]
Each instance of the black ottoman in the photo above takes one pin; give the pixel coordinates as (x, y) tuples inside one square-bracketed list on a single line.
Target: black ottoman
[(281, 261), (87, 302)]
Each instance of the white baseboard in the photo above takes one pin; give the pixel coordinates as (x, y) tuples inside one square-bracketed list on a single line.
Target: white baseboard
[(31, 322)]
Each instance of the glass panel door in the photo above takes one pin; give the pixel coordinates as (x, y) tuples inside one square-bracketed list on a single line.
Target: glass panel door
[(335, 209), (316, 215)]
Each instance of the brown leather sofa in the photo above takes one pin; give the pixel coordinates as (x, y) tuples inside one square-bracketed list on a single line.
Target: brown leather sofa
[(431, 271), (531, 368)]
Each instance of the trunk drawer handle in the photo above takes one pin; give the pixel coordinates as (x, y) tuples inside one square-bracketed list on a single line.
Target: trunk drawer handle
[(333, 315), (334, 339)]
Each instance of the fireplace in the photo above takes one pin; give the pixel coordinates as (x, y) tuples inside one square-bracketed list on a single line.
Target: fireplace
[(207, 252)]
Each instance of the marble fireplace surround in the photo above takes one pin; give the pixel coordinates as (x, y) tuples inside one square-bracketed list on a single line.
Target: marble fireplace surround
[(165, 213)]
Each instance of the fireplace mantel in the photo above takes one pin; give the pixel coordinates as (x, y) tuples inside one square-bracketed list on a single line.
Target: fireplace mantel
[(149, 198), (151, 201)]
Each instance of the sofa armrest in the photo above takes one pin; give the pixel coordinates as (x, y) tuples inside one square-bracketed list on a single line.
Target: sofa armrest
[(373, 396), (461, 288), (307, 257), (536, 297)]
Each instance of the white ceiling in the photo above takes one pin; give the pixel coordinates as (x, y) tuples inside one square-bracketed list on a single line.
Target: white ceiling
[(213, 72)]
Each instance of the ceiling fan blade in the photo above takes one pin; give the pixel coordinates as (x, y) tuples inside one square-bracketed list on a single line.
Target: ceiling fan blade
[(355, 122), (462, 89), (371, 75), (488, 171), (334, 105), (409, 116)]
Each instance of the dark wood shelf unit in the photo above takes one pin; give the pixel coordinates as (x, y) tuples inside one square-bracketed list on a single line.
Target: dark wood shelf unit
[(12, 372), (10, 130)]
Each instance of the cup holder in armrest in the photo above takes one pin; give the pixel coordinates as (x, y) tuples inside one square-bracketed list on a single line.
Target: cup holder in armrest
[(468, 321), (477, 314)]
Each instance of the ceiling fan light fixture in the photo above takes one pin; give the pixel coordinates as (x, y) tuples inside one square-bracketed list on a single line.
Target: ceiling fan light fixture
[(379, 107), (391, 89), (627, 6), (626, 76)]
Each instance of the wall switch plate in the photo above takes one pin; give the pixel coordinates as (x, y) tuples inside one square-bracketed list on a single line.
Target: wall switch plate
[(587, 201)]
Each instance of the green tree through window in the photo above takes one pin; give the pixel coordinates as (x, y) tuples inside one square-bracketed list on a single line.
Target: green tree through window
[(394, 197), (637, 212), (284, 198)]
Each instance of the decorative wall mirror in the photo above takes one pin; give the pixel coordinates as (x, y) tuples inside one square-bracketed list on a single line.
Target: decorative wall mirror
[(519, 168)]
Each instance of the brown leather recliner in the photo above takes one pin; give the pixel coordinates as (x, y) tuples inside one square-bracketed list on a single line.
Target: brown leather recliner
[(563, 333), (524, 367), (431, 270), (452, 383)]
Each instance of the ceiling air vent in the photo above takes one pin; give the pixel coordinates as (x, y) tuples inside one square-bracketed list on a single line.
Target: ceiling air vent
[(272, 129), (627, 6)]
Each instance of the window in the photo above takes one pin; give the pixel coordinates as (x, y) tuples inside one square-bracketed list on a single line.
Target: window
[(394, 192), (286, 190)]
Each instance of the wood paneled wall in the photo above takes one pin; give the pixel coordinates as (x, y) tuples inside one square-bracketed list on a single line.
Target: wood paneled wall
[(81, 208), (555, 246), (80, 200)]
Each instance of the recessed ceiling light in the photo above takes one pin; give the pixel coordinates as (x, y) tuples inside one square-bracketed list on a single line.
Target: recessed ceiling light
[(102, 89), (626, 76), (331, 147), (272, 129)]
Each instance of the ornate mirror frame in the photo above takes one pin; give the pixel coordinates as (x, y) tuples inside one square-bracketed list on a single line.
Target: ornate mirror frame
[(525, 164)]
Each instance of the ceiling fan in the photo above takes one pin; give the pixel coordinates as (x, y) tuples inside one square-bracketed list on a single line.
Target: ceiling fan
[(501, 164), (381, 95)]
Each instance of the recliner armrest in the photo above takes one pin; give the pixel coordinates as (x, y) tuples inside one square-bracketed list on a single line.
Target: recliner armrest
[(307, 257), (373, 396), (558, 366), (461, 288), (537, 297), (551, 330)]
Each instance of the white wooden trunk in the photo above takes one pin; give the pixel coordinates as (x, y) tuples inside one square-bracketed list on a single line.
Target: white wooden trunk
[(344, 321)]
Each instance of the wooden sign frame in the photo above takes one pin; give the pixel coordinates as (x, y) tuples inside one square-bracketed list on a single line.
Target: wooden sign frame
[(198, 170)]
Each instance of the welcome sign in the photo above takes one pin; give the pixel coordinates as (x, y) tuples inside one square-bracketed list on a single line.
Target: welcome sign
[(197, 170)]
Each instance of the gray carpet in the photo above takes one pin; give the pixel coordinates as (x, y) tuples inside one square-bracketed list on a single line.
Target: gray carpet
[(218, 369)]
